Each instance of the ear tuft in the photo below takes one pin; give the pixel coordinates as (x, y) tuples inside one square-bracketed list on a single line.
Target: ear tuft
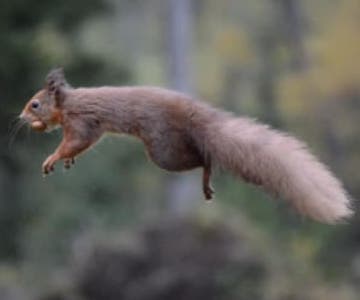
[(55, 79), (55, 82)]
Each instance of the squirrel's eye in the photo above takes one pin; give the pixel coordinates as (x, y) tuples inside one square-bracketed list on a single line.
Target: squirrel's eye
[(35, 104)]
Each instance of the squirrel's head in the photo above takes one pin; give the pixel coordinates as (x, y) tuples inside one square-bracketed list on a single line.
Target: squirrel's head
[(43, 111)]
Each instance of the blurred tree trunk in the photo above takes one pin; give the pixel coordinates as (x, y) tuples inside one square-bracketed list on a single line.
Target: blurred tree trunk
[(292, 25), (267, 79), (181, 189), (179, 37)]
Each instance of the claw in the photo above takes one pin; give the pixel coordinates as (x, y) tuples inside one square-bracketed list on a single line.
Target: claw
[(49, 164), (208, 191), (69, 162)]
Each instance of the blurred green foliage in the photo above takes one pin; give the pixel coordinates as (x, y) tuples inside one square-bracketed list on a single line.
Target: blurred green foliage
[(290, 63)]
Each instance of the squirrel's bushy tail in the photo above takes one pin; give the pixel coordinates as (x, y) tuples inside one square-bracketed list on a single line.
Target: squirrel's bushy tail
[(281, 164)]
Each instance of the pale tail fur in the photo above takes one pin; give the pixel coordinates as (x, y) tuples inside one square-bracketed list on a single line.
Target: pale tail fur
[(281, 164)]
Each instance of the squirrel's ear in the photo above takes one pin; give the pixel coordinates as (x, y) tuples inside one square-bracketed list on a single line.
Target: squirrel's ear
[(55, 83)]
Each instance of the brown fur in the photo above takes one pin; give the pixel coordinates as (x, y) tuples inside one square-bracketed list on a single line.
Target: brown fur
[(182, 134)]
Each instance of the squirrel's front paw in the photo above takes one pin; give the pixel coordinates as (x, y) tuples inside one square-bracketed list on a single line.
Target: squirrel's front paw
[(49, 163), (69, 162)]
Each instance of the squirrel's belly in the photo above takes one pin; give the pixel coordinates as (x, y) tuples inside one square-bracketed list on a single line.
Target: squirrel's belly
[(175, 157)]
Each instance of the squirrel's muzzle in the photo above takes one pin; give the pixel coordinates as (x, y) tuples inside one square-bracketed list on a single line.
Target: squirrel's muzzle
[(34, 124)]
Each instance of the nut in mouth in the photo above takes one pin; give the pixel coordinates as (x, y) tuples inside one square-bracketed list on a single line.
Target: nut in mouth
[(38, 125)]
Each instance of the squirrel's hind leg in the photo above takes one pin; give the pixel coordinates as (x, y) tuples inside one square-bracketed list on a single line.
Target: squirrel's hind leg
[(207, 189)]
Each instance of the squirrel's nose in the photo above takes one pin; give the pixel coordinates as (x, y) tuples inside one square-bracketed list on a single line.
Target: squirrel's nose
[(22, 116)]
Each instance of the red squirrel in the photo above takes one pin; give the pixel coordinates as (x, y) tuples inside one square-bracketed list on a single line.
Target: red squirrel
[(181, 134)]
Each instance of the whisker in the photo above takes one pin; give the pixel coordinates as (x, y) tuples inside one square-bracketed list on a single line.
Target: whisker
[(14, 131), (14, 120)]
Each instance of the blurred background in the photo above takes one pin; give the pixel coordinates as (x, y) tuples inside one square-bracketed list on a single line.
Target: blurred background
[(117, 227)]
